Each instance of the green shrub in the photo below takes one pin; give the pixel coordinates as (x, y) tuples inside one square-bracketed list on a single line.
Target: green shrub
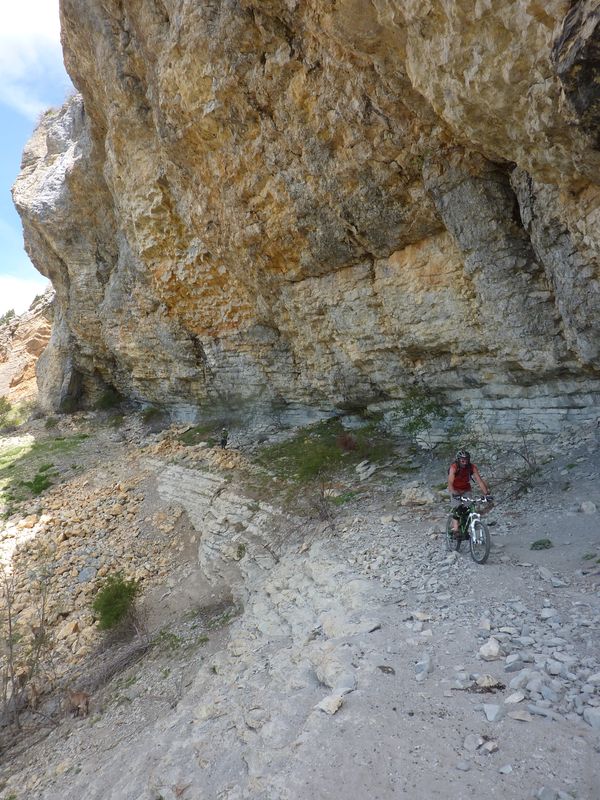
[(51, 422), (40, 482), (420, 409), (345, 497), (115, 600), (5, 409), (35, 300), (7, 315), (541, 544)]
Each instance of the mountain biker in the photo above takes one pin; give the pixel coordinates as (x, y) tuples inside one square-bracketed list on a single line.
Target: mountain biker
[(224, 437), (459, 483)]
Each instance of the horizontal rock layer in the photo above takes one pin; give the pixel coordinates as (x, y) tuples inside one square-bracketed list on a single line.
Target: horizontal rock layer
[(22, 340), (319, 203)]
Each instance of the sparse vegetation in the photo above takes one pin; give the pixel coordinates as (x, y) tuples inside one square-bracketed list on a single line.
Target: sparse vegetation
[(35, 300), (11, 416), (541, 544), (114, 603), (24, 467), (167, 641), (7, 316), (420, 409), (344, 497), (321, 450), (151, 414), (25, 650), (110, 398), (5, 410), (200, 433)]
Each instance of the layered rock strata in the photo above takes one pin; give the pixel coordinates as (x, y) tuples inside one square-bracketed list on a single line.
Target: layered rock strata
[(321, 203), (23, 339)]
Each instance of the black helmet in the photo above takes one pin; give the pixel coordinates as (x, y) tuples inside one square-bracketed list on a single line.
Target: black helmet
[(463, 454)]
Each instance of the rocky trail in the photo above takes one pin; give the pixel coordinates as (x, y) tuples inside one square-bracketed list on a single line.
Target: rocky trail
[(351, 657)]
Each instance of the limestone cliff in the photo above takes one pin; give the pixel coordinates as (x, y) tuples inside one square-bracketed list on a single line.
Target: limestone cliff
[(23, 338), (319, 202)]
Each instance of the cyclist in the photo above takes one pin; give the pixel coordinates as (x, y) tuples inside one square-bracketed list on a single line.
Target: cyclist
[(459, 483)]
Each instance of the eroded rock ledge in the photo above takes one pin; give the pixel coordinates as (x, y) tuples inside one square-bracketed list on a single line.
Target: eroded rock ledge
[(317, 203)]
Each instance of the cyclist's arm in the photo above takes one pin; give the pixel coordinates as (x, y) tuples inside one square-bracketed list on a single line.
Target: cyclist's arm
[(480, 482), (451, 474)]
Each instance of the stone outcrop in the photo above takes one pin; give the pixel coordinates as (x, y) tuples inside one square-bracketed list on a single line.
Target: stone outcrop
[(321, 203), (22, 340)]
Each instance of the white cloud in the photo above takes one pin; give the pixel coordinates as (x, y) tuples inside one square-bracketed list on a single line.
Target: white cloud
[(30, 54), (18, 293)]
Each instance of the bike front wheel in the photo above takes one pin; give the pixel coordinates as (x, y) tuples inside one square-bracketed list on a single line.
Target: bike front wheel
[(479, 541), (452, 541)]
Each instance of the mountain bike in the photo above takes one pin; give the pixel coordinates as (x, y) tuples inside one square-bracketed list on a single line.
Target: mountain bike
[(471, 528)]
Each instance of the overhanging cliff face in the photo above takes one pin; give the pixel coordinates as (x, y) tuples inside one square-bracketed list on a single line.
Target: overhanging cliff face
[(316, 202)]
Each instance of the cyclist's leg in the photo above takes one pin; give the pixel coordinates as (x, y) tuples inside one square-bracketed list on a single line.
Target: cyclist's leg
[(456, 515), (457, 509)]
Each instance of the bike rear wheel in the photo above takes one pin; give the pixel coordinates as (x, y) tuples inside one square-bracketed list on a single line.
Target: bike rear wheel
[(479, 541), (452, 542)]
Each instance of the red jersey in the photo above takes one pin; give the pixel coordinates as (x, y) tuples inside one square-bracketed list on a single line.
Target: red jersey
[(462, 478)]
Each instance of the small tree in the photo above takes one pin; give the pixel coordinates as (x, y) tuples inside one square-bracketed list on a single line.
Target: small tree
[(7, 315), (420, 409), (24, 660), (114, 603), (5, 410)]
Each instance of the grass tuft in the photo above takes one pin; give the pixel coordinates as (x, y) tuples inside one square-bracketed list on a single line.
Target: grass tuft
[(541, 544)]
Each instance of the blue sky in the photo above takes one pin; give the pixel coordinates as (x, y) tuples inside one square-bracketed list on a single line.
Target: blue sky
[(32, 78)]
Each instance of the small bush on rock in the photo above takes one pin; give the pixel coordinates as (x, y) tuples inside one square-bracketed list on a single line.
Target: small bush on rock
[(5, 409), (115, 601), (541, 544)]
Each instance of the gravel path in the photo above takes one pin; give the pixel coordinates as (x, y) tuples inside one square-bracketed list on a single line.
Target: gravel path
[(364, 661)]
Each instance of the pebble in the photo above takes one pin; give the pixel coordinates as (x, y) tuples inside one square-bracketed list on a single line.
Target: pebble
[(505, 770), (548, 613), (423, 668), (592, 717), (472, 742), (520, 715), (491, 650), (330, 704), (463, 766), (541, 711), (493, 712), (489, 747), (547, 794)]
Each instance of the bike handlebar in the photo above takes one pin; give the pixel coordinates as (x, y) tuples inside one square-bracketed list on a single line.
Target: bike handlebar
[(487, 499)]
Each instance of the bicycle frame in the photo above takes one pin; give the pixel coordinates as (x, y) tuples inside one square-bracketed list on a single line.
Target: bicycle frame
[(471, 528), (466, 522)]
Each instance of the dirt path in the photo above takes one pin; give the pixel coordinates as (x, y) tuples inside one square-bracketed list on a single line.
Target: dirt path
[(353, 669)]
